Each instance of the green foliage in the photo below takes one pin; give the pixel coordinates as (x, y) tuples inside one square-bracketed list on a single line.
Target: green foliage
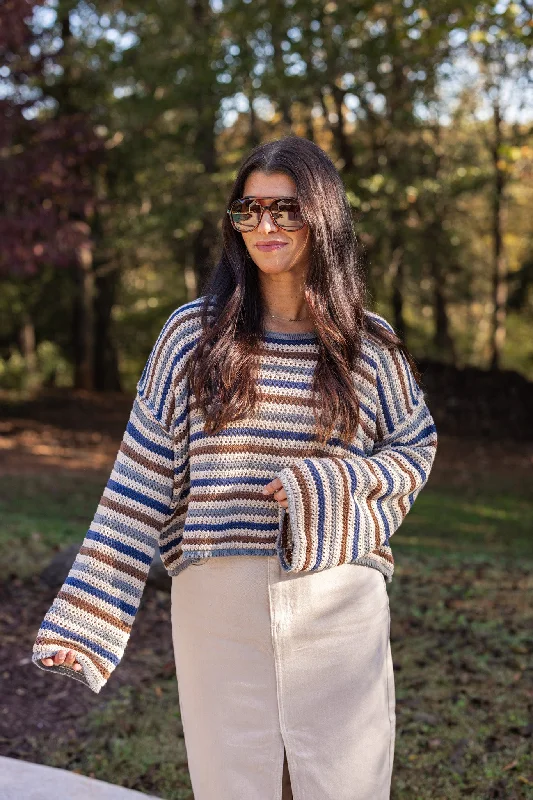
[(50, 368), (405, 99)]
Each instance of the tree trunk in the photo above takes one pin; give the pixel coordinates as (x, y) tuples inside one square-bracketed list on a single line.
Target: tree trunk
[(82, 265), (277, 36), (442, 338), (397, 109), (83, 319), (344, 146), (253, 133), (205, 145), (27, 343), (106, 371), (499, 275), (309, 127), (397, 268)]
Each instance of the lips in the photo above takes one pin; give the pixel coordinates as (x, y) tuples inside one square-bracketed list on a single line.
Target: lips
[(267, 247)]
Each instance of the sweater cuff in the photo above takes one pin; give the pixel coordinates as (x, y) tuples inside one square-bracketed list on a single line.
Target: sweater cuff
[(91, 675), (290, 548)]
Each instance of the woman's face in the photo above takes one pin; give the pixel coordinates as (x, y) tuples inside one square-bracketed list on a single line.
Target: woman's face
[(273, 249)]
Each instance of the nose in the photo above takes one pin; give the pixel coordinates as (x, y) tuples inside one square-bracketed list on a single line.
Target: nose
[(266, 223)]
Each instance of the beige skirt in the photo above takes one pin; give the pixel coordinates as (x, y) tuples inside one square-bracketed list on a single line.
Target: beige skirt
[(272, 665)]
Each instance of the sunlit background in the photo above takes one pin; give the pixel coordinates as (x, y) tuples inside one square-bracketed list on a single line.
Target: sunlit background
[(123, 125)]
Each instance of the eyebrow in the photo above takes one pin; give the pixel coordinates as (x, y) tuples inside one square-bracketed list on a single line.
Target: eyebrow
[(269, 197)]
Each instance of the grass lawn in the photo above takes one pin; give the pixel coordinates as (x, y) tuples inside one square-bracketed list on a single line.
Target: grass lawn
[(461, 639)]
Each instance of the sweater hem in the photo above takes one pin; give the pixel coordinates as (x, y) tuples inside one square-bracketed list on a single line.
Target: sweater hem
[(386, 569)]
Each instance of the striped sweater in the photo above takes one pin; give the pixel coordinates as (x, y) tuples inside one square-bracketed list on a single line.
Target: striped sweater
[(197, 495)]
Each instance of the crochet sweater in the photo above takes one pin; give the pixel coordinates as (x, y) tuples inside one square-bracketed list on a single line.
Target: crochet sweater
[(196, 495)]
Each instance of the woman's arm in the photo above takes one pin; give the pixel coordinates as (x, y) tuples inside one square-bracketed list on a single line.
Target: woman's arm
[(94, 610), (340, 509)]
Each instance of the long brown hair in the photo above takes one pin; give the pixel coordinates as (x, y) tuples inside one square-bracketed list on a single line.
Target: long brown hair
[(226, 363)]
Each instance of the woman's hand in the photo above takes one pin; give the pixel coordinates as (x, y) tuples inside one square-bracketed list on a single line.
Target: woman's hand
[(279, 493), (65, 657)]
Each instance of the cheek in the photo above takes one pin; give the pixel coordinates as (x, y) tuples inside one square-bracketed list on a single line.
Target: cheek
[(301, 236)]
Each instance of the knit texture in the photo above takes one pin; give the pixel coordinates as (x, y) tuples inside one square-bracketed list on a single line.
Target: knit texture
[(195, 495)]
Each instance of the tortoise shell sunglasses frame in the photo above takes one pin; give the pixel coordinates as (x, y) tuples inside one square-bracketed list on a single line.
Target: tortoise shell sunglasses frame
[(289, 218)]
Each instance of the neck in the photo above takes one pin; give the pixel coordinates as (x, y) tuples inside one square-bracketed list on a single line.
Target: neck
[(287, 318), (284, 303)]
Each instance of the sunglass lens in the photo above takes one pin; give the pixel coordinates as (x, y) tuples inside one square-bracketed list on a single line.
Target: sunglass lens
[(287, 214), (245, 215)]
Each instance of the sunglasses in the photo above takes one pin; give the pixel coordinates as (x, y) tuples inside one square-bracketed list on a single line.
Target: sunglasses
[(246, 214)]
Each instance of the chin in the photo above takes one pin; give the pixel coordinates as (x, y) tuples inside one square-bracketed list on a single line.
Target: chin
[(271, 266)]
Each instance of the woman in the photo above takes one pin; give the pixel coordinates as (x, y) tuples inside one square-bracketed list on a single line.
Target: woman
[(275, 417)]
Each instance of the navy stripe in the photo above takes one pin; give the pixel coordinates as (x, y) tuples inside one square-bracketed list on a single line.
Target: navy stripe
[(384, 407), (260, 433), (120, 547), (321, 502), (148, 444), (384, 498), (180, 355), (415, 465), (125, 491), (226, 527), (108, 598), (423, 434)]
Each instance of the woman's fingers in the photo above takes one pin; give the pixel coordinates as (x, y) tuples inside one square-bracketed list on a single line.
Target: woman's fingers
[(66, 657), (281, 497), (276, 489), (274, 485)]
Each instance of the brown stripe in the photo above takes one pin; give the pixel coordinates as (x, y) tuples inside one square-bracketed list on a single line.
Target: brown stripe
[(382, 553), (153, 466), (232, 538), (364, 427), (64, 644), (292, 354), (412, 480), (271, 397), (346, 495), (177, 512), (171, 407), (363, 373), (78, 602), (113, 562), (259, 449), (229, 494), (182, 434), (169, 559), (286, 540), (130, 512), (305, 523), (373, 494), (401, 377)]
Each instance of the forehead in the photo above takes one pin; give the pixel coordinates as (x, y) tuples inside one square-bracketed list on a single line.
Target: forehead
[(277, 184)]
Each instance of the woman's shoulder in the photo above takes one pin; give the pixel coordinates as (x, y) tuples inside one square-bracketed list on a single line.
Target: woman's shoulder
[(184, 320), (166, 365), (377, 337), (377, 319), (181, 328)]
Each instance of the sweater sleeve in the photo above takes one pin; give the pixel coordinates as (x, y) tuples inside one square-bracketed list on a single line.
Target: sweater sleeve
[(340, 509), (94, 610)]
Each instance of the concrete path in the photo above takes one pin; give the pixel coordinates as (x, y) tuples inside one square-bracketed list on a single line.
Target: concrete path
[(21, 780)]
